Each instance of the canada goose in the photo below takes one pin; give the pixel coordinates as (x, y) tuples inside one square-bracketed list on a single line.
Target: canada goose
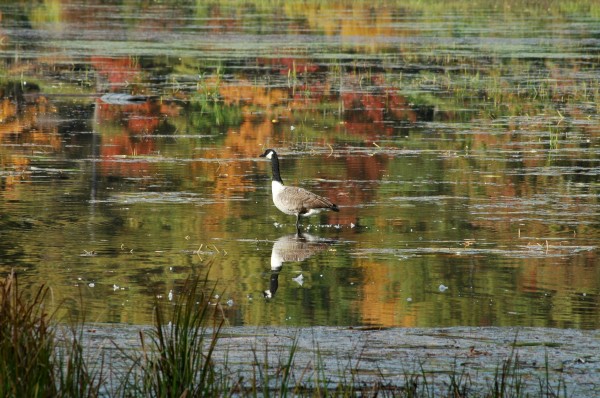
[(294, 200)]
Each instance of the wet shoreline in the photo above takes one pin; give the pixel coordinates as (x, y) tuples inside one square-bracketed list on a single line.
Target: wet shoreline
[(561, 357)]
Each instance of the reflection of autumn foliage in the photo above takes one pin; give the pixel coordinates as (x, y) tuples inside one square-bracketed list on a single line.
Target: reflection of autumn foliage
[(354, 190), (246, 94), (26, 117), (366, 110), (379, 304), (127, 131), (117, 72), (125, 144), (246, 140), (8, 117), (228, 173), (347, 20), (142, 118), (538, 275), (135, 124), (27, 123)]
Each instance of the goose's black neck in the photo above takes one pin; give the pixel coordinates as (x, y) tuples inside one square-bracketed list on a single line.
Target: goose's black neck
[(275, 168)]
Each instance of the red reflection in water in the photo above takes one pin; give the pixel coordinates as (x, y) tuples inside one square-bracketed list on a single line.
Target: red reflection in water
[(118, 72), (127, 131), (363, 110)]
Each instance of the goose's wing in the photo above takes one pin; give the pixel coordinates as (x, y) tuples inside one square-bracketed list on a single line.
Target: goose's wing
[(302, 200)]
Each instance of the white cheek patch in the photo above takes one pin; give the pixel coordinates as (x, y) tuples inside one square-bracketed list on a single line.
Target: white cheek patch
[(269, 155)]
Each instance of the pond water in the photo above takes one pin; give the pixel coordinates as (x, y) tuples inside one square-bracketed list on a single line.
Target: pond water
[(461, 143)]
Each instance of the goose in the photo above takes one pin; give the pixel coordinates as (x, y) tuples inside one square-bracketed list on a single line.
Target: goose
[(294, 200)]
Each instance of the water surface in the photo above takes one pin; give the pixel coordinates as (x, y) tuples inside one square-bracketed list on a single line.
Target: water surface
[(461, 145)]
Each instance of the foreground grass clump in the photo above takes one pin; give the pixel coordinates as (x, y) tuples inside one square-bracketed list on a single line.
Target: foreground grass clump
[(26, 344), (176, 358), (34, 360)]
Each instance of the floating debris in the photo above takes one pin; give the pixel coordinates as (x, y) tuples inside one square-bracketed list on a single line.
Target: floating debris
[(299, 279), (123, 99)]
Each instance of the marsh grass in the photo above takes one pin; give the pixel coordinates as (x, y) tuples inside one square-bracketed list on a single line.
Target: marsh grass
[(176, 355), (26, 343), (176, 359), (36, 360)]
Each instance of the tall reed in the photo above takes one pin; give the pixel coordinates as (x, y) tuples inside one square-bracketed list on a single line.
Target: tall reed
[(26, 343), (34, 360), (176, 356)]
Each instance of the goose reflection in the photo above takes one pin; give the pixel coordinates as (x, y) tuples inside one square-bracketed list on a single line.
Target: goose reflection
[(294, 247)]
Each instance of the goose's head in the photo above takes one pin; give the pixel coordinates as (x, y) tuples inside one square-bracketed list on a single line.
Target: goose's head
[(269, 153)]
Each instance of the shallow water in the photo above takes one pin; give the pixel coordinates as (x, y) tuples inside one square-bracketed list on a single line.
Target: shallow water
[(462, 146)]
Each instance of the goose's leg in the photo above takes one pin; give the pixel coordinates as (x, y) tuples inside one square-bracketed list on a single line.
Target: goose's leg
[(298, 222)]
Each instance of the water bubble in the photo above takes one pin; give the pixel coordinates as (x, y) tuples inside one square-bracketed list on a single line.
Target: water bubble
[(443, 288)]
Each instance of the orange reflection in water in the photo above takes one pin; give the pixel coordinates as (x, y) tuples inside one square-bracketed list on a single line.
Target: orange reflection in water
[(379, 303), (27, 128), (126, 132)]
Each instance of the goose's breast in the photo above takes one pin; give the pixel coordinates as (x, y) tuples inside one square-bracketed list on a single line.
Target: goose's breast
[(284, 204), (283, 198)]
